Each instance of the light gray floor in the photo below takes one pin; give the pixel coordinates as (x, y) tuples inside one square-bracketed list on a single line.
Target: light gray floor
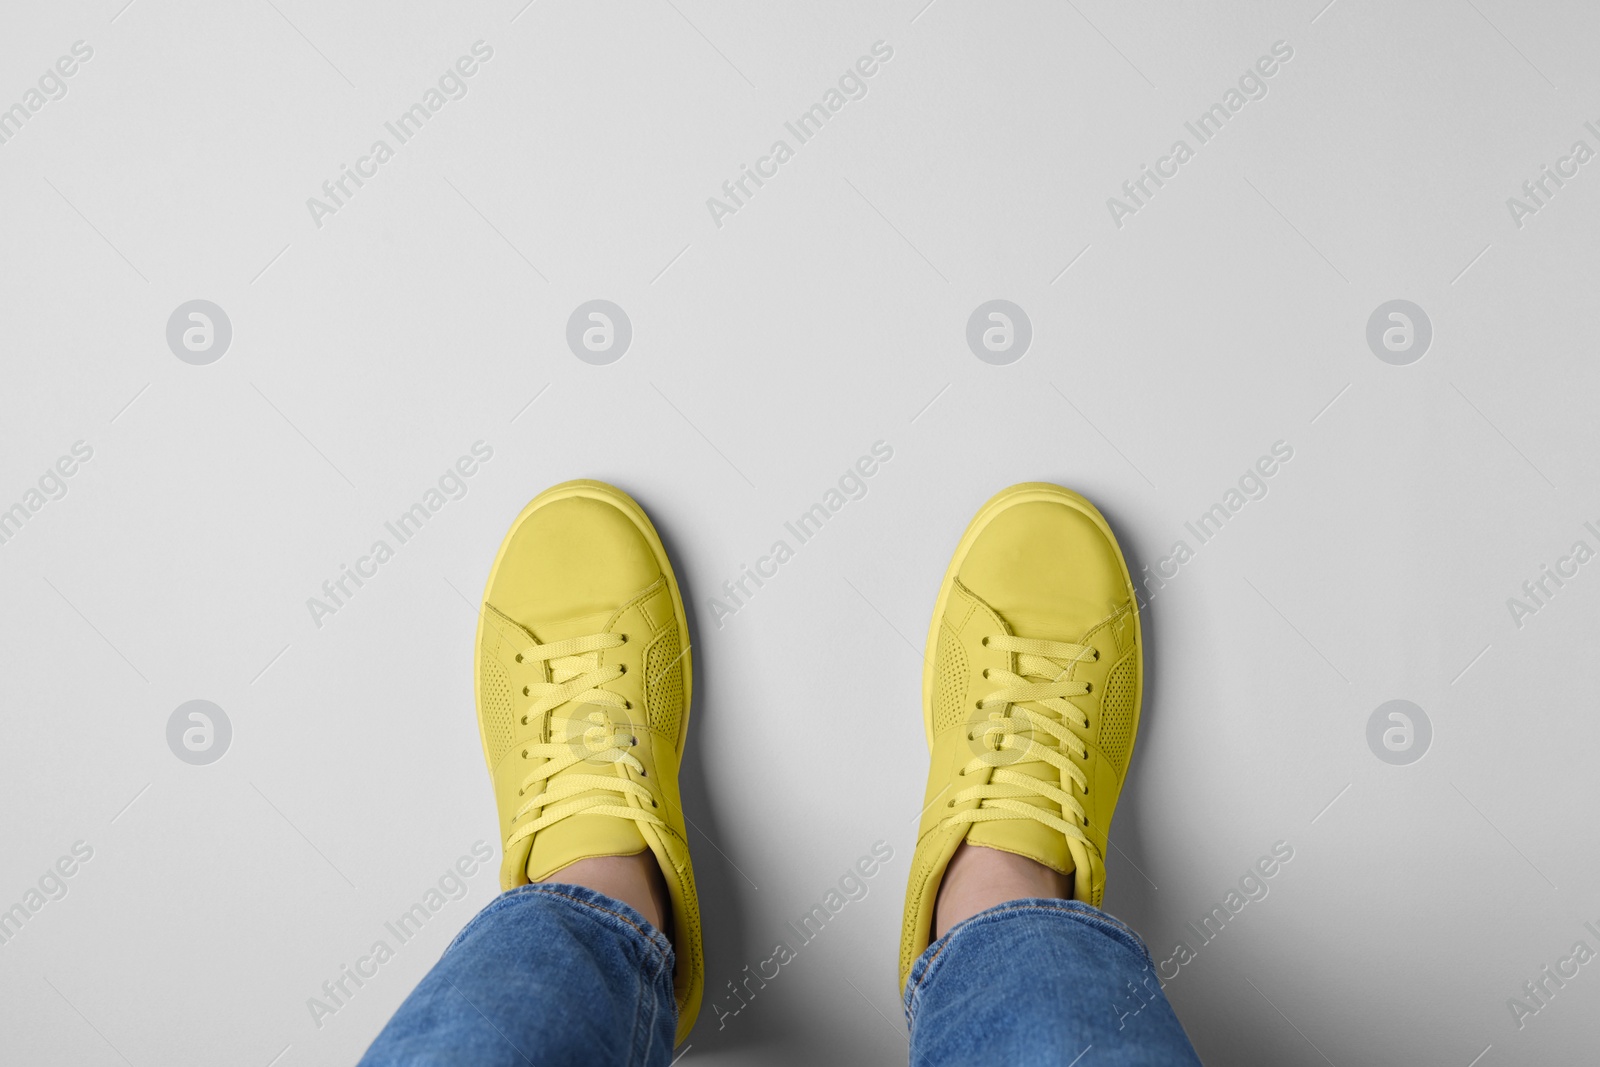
[(771, 347)]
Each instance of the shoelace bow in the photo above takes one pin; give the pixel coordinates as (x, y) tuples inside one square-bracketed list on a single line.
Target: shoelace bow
[(1011, 735), (577, 678)]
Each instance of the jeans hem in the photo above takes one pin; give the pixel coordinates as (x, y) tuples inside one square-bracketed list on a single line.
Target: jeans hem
[(1074, 911), (620, 917)]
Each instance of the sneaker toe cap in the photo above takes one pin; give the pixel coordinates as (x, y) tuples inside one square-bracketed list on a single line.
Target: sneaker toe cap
[(1047, 568), (575, 556)]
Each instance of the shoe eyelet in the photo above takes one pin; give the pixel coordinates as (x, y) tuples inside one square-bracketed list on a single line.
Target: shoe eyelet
[(624, 638), (986, 672), (951, 804), (633, 742), (524, 720), (623, 669), (1088, 687), (519, 657), (627, 705), (524, 753), (984, 642), (644, 774), (526, 692)]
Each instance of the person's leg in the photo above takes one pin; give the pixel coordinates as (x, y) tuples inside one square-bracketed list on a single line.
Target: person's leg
[(1031, 691), (583, 681), (1041, 981), (550, 974)]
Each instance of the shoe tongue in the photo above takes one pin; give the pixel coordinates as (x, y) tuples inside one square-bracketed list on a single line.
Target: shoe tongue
[(1025, 837), (582, 836), (563, 629), (1036, 625), (1041, 844)]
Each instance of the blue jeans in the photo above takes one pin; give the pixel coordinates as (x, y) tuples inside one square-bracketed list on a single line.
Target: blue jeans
[(553, 975), (1041, 982)]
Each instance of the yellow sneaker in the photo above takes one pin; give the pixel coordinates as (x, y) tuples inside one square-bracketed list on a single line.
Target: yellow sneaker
[(1030, 696), (583, 679)]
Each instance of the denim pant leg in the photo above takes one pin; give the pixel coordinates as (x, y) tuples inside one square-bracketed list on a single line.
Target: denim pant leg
[(1041, 982), (547, 975)]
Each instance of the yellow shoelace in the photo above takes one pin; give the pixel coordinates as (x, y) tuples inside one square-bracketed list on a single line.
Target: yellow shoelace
[(1011, 736), (577, 678)]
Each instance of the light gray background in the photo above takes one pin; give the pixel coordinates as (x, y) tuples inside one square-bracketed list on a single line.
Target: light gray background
[(767, 355)]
